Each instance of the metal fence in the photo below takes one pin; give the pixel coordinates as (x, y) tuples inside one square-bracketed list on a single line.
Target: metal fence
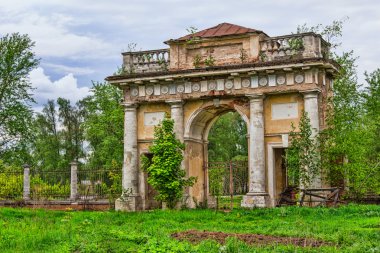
[(228, 178), (11, 185), (70, 184)]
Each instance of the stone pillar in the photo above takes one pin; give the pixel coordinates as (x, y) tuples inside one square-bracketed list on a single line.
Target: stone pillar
[(26, 185), (312, 110), (130, 199), (74, 180), (176, 111), (256, 197), (311, 107), (176, 114)]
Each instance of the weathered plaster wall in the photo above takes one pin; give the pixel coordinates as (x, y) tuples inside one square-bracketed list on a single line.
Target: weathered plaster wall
[(224, 51), (194, 161), (146, 132), (275, 126)]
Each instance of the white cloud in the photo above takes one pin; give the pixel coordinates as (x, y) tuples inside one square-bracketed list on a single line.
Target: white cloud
[(66, 87), (78, 71), (53, 35)]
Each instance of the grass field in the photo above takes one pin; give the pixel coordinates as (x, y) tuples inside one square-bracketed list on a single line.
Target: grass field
[(353, 228)]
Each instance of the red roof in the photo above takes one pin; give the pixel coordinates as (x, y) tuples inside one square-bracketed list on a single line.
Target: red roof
[(222, 29)]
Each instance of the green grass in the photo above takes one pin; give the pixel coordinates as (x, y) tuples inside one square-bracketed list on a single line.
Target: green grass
[(353, 228)]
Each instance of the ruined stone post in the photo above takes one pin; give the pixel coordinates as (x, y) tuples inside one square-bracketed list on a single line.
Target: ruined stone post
[(256, 197), (26, 183), (74, 180), (130, 200), (311, 107)]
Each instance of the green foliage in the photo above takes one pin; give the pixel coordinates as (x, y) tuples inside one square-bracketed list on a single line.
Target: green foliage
[(16, 61), (193, 39), (371, 97), (58, 135), (349, 143), (103, 126), (215, 177), (210, 61), (163, 246), (11, 181), (164, 170), (227, 138), (197, 61), (302, 156), (37, 230), (40, 189), (348, 140)]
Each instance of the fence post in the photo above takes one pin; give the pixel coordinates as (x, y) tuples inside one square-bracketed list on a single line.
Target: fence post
[(26, 182), (74, 180)]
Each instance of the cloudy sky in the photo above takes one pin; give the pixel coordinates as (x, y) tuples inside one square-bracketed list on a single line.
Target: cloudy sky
[(80, 41)]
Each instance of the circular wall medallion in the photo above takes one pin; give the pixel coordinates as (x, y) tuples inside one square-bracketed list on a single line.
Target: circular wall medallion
[(164, 89), (212, 85), (299, 78), (149, 90), (245, 83), (134, 92), (180, 88), (229, 84), (263, 81), (196, 87), (281, 80)]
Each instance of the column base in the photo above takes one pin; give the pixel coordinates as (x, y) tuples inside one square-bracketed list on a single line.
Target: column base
[(128, 204), (252, 200)]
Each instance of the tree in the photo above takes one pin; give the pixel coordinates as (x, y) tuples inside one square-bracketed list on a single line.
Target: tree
[(371, 97), (58, 135), (16, 61), (103, 126), (47, 144), (347, 141), (71, 119), (164, 170), (302, 156), (228, 138)]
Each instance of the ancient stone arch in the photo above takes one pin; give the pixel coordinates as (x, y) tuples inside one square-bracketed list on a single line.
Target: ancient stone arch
[(201, 76)]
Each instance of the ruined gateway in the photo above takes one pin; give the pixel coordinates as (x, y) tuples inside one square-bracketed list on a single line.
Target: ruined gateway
[(269, 81)]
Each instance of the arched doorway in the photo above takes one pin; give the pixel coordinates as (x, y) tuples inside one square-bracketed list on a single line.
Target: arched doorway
[(227, 166), (197, 130)]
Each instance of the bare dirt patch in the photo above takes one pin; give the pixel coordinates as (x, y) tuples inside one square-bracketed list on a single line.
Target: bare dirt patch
[(195, 237)]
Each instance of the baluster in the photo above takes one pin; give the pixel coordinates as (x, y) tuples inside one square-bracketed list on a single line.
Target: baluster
[(275, 45)]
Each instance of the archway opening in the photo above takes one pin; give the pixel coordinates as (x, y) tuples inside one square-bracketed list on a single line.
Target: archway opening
[(227, 166), (197, 129), (227, 139)]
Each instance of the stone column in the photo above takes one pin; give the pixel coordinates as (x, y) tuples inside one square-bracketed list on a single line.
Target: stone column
[(130, 199), (311, 107), (312, 110), (176, 111), (176, 114), (256, 197), (26, 185), (74, 180)]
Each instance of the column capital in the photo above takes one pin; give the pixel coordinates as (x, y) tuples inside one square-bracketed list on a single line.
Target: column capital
[(175, 102), (129, 106), (256, 97), (310, 93)]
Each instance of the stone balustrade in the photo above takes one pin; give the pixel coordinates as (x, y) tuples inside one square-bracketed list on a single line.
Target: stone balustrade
[(297, 46), (146, 61), (294, 46)]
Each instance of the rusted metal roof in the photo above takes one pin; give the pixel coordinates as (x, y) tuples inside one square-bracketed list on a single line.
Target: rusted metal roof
[(222, 29)]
